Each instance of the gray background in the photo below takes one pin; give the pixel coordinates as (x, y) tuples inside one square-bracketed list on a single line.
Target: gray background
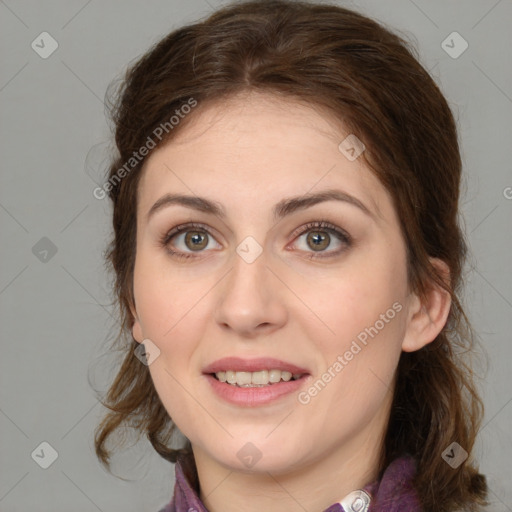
[(56, 316)]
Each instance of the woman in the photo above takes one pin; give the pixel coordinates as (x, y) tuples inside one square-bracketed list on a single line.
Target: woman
[(288, 265)]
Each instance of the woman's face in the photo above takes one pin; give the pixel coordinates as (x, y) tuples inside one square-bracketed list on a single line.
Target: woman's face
[(252, 281)]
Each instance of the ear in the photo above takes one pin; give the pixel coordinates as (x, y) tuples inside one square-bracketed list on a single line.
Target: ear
[(136, 328), (427, 318)]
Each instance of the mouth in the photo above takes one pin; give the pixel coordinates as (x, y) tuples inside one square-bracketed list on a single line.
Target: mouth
[(264, 370), (256, 379)]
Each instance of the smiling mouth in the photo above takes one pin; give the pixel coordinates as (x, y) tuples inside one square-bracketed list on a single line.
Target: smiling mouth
[(255, 379)]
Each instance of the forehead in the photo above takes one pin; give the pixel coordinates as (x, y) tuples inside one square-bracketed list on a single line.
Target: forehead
[(258, 148)]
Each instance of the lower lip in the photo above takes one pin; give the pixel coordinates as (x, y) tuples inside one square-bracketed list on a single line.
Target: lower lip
[(250, 397)]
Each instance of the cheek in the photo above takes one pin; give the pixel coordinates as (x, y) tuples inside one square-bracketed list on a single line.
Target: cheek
[(163, 301), (165, 312), (358, 367), (363, 315), (354, 299), (167, 319), (169, 384)]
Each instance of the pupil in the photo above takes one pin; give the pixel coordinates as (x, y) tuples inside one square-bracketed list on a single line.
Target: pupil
[(320, 241), (194, 237)]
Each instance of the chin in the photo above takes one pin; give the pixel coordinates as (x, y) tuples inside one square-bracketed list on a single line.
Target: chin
[(248, 458)]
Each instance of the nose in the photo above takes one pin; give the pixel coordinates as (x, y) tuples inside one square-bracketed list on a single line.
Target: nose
[(251, 300)]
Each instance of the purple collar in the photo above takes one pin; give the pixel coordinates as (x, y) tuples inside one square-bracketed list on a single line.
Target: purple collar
[(392, 493)]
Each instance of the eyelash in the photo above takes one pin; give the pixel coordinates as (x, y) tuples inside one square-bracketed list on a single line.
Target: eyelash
[(322, 225)]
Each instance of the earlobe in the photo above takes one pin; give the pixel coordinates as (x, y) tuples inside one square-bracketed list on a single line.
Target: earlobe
[(428, 317), (136, 328)]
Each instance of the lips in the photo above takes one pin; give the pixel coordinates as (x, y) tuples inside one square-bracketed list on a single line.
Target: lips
[(255, 396), (237, 364)]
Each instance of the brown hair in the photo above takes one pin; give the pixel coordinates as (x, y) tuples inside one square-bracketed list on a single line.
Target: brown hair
[(371, 79)]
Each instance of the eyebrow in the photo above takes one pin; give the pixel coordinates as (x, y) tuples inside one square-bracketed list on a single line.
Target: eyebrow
[(281, 209)]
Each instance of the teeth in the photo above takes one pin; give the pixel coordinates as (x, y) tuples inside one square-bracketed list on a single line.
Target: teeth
[(243, 378), (255, 379), (259, 377), (274, 375), (286, 376)]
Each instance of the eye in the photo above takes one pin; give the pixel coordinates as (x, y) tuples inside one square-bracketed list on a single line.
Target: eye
[(319, 236), (195, 238)]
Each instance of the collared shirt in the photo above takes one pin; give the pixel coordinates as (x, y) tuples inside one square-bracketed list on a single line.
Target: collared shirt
[(392, 493)]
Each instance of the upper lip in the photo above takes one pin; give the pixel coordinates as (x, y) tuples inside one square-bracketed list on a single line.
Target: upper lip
[(238, 364)]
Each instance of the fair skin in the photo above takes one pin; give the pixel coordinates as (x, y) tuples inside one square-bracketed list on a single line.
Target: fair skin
[(249, 154)]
